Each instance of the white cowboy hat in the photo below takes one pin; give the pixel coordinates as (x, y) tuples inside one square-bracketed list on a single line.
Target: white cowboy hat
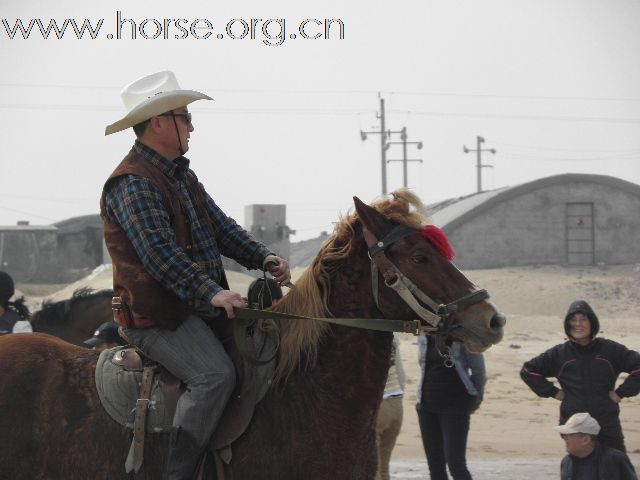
[(152, 95)]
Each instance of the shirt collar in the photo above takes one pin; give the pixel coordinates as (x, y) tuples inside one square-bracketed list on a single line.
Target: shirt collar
[(175, 169)]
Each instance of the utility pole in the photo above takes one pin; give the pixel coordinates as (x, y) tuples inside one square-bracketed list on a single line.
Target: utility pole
[(383, 143), (405, 160), (479, 165)]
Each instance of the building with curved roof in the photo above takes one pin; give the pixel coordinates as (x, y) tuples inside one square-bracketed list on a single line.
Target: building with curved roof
[(569, 219)]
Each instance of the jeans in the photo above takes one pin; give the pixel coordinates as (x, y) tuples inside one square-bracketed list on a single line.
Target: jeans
[(193, 354), (444, 437)]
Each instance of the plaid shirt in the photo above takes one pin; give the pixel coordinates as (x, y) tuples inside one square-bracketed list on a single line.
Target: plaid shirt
[(137, 206)]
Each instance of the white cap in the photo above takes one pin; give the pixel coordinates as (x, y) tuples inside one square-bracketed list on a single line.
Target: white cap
[(580, 423)]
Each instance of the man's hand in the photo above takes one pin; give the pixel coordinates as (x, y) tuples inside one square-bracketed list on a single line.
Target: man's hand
[(227, 299), (279, 268), (614, 397), (559, 395)]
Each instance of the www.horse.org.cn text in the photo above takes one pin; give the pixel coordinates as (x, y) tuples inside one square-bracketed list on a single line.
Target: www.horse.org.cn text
[(271, 31)]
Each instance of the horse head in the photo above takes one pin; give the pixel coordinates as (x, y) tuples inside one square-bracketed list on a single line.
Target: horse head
[(413, 276)]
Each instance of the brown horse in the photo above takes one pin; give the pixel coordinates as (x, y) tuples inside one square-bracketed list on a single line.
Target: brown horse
[(74, 320), (318, 419)]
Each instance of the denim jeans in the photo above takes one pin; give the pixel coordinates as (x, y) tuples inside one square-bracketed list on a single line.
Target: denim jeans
[(444, 437), (194, 355)]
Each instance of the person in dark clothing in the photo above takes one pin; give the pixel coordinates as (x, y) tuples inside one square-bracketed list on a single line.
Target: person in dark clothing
[(587, 459), (587, 369), (14, 315), (447, 395)]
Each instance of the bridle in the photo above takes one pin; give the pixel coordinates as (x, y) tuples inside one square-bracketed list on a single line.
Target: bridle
[(436, 315)]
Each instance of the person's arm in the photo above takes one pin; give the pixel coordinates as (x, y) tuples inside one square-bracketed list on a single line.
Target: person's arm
[(234, 241), (478, 370), (624, 466), (535, 372), (138, 207), (398, 363), (422, 350), (629, 361), (477, 373)]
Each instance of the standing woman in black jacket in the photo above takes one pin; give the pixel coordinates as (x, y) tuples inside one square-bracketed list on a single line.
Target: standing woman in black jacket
[(587, 369)]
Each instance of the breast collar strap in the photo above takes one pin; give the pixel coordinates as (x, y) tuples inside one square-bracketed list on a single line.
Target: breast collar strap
[(435, 315)]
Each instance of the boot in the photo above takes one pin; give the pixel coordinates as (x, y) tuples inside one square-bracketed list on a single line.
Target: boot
[(183, 456)]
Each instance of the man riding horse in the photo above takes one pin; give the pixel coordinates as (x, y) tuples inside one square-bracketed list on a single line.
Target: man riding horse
[(165, 235)]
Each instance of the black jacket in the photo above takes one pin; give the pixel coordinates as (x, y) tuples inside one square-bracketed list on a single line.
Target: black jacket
[(612, 464), (587, 375)]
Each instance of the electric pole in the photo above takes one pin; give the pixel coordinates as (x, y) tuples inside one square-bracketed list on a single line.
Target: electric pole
[(479, 151), (383, 143), (405, 160)]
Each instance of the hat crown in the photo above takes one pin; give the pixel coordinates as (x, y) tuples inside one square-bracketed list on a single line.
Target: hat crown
[(580, 423), (146, 87)]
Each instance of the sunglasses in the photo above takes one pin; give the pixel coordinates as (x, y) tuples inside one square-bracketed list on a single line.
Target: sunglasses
[(187, 116)]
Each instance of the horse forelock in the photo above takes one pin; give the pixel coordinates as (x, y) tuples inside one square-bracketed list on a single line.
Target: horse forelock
[(310, 297)]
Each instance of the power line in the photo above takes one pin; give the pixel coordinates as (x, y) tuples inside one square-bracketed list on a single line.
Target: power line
[(21, 212), (345, 92), (516, 97), (528, 117), (529, 147)]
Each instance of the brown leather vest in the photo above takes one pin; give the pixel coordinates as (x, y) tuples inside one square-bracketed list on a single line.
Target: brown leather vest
[(145, 302)]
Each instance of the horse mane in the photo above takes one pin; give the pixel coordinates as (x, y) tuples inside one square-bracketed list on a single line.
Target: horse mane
[(300, 338), (55, 313)]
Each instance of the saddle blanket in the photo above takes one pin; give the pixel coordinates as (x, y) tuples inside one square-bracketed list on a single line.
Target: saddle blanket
[(118, 390)]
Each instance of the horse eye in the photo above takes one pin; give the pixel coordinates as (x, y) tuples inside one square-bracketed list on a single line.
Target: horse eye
[(419, 258)]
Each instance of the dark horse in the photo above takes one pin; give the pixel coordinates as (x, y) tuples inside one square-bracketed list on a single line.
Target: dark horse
[(318, 419), (75, 319)]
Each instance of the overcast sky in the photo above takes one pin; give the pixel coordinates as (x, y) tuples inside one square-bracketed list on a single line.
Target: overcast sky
[(552, 85)]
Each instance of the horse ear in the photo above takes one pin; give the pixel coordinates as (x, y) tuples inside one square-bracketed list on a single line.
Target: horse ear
[(370, 218)]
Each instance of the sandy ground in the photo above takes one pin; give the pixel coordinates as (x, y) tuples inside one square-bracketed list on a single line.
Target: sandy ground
[(511, 435)]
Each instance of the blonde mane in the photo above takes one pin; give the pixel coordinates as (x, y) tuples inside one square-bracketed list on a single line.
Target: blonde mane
[(300, 338)]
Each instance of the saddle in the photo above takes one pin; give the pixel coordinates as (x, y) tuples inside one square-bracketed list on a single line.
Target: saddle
[(141, 395)]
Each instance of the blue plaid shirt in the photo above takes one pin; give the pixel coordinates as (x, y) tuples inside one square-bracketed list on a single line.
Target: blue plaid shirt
[(137, 206)]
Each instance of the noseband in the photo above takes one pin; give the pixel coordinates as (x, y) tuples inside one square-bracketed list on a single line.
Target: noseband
[(436, 315)]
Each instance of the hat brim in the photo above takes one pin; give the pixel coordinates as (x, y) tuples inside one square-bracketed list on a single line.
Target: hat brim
[(567, 430), (156, 105), (93, 341), (564, 429)]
